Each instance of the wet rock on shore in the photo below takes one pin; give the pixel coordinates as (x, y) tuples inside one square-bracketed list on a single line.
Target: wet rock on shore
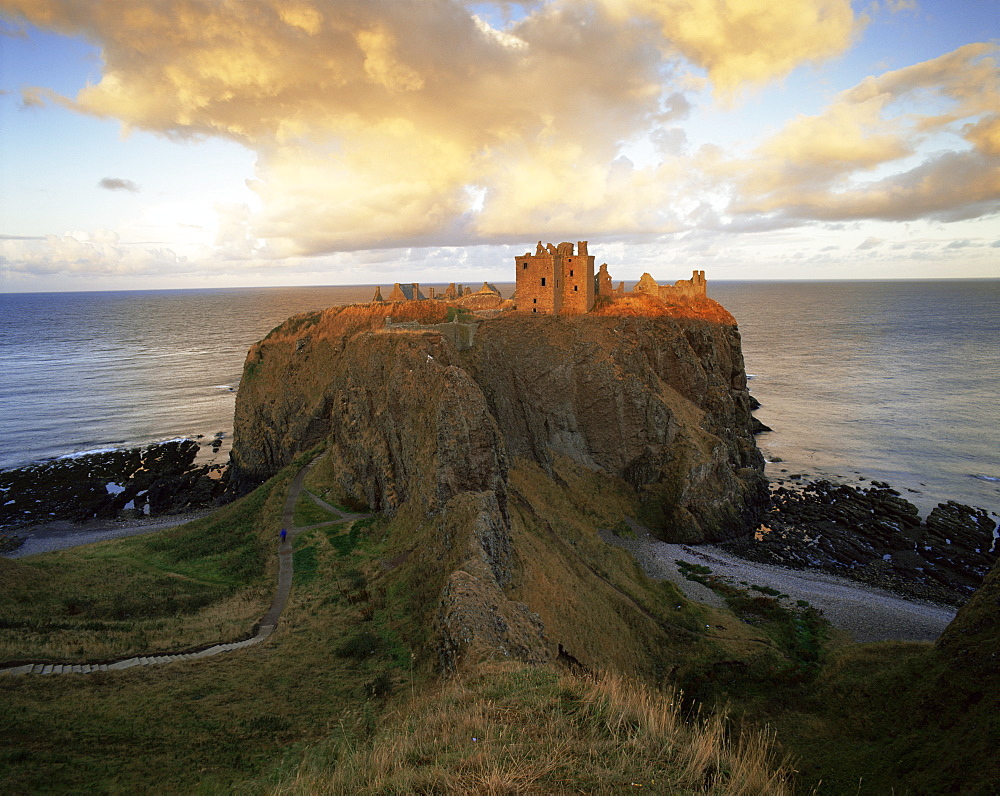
[(875, 536), (123, 484)]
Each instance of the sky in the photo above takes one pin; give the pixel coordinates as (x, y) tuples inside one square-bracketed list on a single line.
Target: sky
[(224, 143)]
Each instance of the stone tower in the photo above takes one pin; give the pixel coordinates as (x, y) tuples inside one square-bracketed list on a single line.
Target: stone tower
[(555, 280)]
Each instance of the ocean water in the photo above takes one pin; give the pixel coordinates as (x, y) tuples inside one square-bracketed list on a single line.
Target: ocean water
[(895, 381)]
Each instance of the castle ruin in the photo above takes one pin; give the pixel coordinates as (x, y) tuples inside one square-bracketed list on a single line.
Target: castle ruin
[(555, 280)]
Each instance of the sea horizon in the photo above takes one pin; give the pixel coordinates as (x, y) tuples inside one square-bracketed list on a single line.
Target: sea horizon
[(846, 379), (494, 282)]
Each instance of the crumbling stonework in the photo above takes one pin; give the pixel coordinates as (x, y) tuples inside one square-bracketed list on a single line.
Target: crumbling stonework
[(409, 292), (555, 280)]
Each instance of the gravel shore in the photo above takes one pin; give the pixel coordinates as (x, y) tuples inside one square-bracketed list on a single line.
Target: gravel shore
[(62, 534), (867, 614)]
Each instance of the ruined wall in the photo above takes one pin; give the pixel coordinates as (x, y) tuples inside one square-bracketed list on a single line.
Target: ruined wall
[(409, 292), (555, 280), (686, 289), (578, 282), (604, 287), (539, 283)]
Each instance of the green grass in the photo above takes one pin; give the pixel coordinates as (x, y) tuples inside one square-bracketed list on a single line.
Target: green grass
[(800, 631), (221, 723), (308, 512), (195, 584)]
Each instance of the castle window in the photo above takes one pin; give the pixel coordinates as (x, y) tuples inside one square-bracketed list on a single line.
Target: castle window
[(571, 273), (543, 281), (525, 265), (576, 288), (534, 301)]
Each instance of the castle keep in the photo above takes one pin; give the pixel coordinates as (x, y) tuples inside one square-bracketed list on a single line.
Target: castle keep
[(555, 280)]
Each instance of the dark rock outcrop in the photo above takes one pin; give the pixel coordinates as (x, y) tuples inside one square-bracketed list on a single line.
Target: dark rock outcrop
[(157, 480), (659, 402), (875, 536)]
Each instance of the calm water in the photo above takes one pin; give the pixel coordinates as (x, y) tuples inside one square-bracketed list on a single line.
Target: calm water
[(892, 381)]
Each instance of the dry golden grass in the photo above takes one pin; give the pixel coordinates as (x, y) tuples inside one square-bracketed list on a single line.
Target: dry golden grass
[(342, 322), (511, 729), (638, 304)]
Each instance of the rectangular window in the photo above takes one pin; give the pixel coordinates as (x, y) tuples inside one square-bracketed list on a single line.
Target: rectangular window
[(576, 288), (534, 301), (543, 281), (525, 265), (571, 273)]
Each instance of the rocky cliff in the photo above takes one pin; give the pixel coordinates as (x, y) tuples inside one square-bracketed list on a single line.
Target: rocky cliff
[(660, 402), (497, 461)]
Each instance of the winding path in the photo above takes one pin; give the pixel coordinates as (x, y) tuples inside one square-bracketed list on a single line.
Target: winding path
[(264, 628)]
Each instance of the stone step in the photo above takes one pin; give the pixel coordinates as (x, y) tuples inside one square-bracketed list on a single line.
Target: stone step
[(47, 669), (25, 669)]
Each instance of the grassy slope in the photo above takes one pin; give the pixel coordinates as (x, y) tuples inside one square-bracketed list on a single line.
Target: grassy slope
[(509, 728), (356, 641), (193, 585), (356, 630), (225, 719)]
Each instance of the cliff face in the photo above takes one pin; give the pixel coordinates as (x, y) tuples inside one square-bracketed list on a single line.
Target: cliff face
[(659, 402), (651, 413)]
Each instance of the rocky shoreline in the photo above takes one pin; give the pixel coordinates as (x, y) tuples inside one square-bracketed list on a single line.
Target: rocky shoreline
[(135, 484), (874, 536), (870, 534)]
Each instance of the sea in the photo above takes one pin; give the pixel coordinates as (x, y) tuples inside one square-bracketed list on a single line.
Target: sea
[(859, 381)]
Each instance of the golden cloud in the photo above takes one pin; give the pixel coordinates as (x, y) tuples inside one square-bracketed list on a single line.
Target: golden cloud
[(816, 167), (390, 124), (749, 41)]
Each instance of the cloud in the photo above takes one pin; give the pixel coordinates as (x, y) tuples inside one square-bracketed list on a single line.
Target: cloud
[(755, 41), (864, 156), (99, 252), (869, 243), (118, 184), (384, 125)]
